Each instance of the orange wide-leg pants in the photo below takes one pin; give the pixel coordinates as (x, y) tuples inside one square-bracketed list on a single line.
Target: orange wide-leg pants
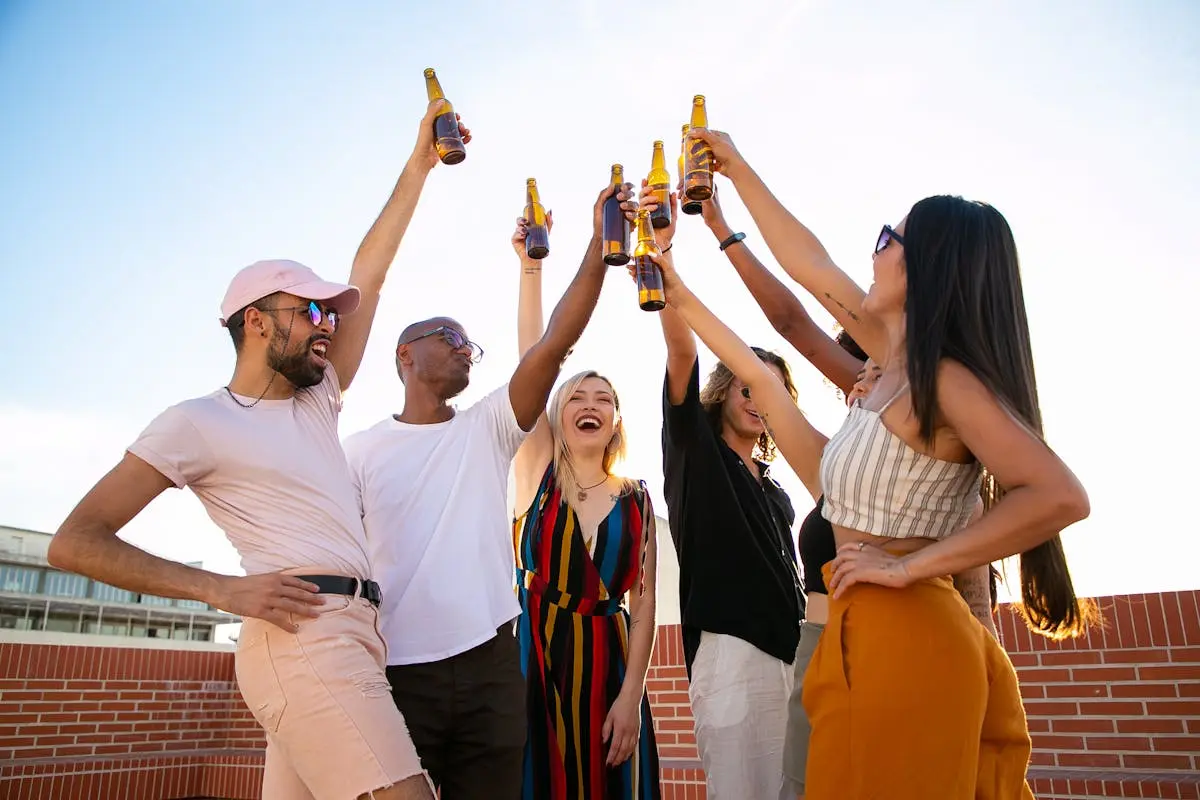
[(910, 698)]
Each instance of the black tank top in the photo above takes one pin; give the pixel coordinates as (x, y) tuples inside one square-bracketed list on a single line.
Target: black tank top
[(817, 548)]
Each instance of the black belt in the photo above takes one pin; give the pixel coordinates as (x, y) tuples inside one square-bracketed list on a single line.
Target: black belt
[(338, 584)]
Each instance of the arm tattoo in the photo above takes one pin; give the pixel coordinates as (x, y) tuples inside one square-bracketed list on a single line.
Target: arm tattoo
[(977, 596), (842, 306)]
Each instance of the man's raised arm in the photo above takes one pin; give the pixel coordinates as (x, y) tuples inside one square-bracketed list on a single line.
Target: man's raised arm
[(378, 249)]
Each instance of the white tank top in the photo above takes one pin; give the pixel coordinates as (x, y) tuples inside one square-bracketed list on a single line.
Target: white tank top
[(874, 482)]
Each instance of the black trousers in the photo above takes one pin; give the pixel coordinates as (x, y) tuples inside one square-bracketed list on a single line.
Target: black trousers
[(466, 716)]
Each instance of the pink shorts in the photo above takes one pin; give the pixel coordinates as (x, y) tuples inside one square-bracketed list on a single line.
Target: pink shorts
[(322, 696)]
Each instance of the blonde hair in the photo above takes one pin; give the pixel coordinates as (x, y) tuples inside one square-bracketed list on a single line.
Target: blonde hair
[(564, 465)]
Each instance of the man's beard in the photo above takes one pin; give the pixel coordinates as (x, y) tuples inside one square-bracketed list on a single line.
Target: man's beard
[(297, 367)]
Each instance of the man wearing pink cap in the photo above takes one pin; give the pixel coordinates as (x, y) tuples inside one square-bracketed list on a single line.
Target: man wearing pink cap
[(263, 456)]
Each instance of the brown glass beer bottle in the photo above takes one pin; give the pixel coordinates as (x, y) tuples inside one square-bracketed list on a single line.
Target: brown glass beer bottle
[(659, 182), (615, 224), (537, 235), (698, 181), (649, 276), (446, 138), (685, 205)]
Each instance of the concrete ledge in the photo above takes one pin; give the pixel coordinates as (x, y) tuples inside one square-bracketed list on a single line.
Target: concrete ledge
[(10, 636)]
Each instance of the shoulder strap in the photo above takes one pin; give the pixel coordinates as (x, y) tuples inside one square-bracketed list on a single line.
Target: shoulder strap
[(641, 496), (894, 397)]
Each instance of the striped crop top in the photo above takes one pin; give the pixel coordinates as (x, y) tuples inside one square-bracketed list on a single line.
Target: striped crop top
[(874, 482)]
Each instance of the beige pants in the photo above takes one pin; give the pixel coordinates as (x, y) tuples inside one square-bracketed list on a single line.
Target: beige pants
[(795, 744), (333, 730), (739, 700)]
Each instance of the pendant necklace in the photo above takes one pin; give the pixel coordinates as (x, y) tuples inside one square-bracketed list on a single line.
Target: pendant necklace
[(583, 490)]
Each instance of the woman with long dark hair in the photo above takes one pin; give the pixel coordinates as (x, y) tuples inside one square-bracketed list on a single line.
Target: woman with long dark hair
[(845, 365), (908, 696)]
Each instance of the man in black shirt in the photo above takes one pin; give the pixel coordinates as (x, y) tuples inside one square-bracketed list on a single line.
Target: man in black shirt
[(739, 591)]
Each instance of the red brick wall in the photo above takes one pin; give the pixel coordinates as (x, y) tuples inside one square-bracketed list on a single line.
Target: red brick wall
[(97, 722), (1115, 715)]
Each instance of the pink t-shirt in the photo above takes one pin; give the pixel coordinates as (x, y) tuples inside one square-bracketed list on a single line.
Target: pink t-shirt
[(273, 477)]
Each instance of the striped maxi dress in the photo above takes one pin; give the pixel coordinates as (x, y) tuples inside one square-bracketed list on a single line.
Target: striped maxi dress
[(574, 638)]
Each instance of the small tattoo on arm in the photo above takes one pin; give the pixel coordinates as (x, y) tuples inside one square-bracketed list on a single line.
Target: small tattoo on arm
[(977, 596), (842, 306)]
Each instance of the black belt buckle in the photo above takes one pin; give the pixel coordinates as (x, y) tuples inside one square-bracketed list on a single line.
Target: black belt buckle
[(339, 584), (372, 593)]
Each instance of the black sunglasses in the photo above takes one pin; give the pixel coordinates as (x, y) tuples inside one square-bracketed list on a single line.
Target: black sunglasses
[(885, 238), (453, 338)]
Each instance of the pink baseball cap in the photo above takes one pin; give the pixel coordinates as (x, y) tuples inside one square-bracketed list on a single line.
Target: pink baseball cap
[(263, 278)]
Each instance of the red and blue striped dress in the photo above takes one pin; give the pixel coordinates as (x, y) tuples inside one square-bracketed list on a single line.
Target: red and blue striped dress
[(574, 638)]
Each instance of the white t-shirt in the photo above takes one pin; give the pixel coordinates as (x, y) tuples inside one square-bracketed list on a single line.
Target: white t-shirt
[(435, 507), (273, 477)]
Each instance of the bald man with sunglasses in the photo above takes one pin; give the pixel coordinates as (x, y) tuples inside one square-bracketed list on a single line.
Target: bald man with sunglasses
[(263, 457), (433, 483)]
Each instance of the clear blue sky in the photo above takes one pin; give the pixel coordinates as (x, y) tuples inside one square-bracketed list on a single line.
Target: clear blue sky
[(152, 149)]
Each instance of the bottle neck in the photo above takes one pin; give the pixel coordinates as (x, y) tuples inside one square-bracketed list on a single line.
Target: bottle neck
[(644, 233)]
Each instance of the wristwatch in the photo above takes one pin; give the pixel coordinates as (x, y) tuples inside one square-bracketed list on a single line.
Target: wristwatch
[(734, 239)]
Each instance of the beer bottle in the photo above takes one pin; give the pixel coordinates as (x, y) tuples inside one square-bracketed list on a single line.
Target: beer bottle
[(698, 180), (446, 139), (537, 235), (659, 181), (685, 205), (615, 224), (649, 276)]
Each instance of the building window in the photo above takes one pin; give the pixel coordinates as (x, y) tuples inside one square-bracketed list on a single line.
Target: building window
[(15, 620), (18, 579), (110, 594), (192, 604), (152, 600), (65, 624), (65, 584)]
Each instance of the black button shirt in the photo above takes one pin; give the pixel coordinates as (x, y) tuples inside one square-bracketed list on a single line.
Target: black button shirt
[(737, 561)]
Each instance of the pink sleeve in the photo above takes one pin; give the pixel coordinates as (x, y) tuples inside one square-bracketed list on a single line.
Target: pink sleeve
[(172, 445)]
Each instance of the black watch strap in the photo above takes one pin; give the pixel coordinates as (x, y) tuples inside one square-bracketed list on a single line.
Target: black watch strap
[(734, 239)]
